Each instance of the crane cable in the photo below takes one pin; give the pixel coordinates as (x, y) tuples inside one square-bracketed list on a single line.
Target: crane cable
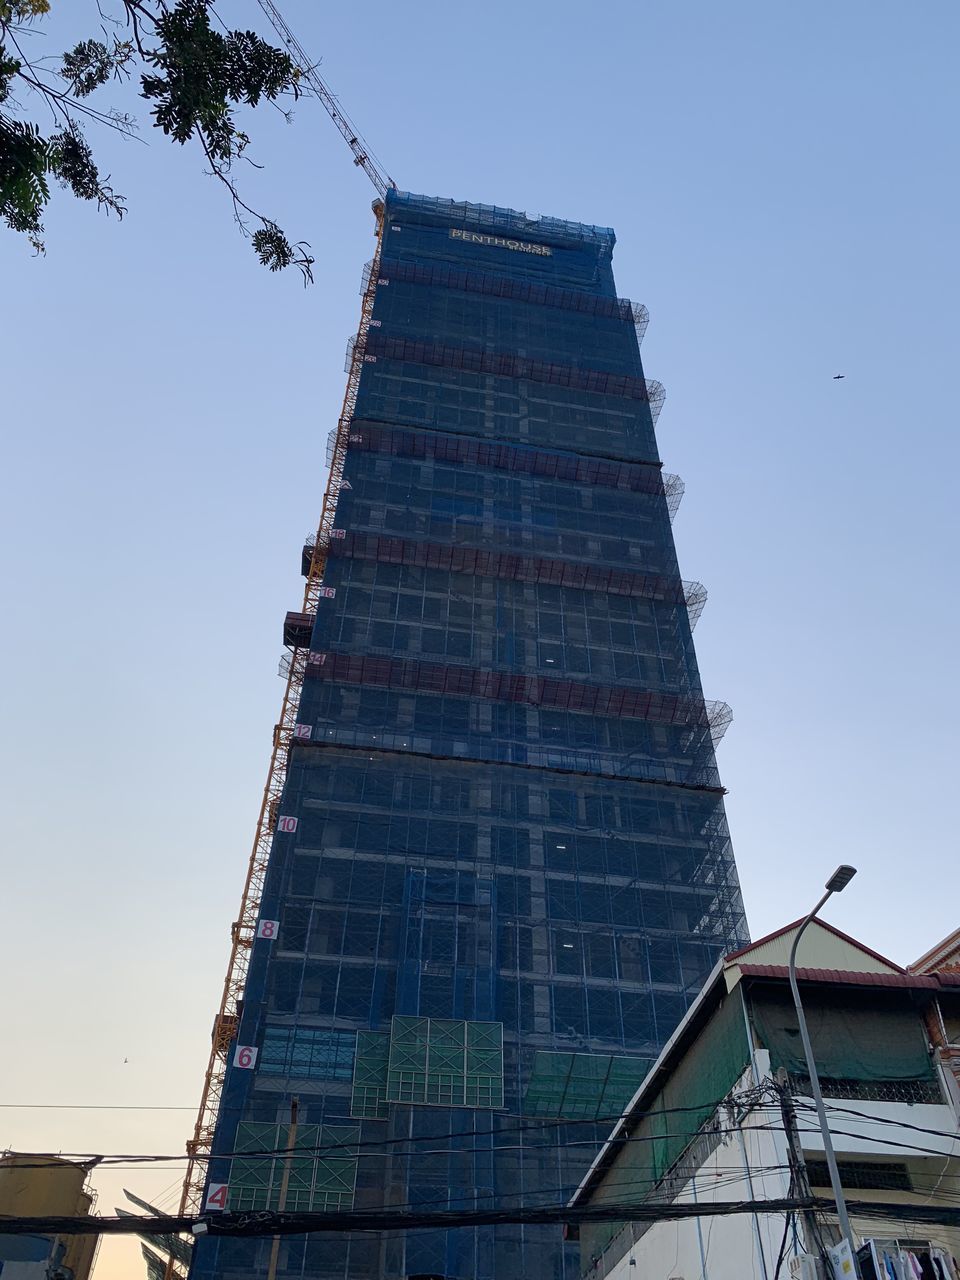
[(362, 155)]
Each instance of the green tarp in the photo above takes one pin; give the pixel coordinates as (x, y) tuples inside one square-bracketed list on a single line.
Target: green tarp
[(852, 1040)]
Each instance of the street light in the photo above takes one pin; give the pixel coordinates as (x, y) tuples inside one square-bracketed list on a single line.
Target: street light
[(838, 881)]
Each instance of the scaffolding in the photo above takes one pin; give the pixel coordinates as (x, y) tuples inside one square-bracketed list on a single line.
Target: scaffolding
[(243, 929), (611, 472), (493, 284), (622, 771), (507, 686), (491, 215), (504, 364), (512, 566)]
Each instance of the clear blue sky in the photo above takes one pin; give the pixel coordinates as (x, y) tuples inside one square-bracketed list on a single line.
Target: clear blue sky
[(784, 183)]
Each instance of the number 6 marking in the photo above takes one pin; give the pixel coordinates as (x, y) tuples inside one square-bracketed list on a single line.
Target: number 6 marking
[(245, 1056)]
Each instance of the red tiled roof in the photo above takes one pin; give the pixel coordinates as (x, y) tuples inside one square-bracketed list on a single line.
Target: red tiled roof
[(841, 977)]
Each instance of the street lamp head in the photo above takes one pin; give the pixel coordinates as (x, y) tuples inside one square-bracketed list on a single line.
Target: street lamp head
[(840, 878)]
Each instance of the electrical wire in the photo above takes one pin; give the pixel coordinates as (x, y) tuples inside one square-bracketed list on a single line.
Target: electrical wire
[(733, 1176), (890, 1142), (532, 1125), (803, 1105), (126, 1160), (266, 1223), (87, 1106)]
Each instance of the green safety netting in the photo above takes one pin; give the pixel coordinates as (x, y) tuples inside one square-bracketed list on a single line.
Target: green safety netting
[(591, 1086), (323, 1179), (850, 1040), (432, 1061), (368, 1100), (674, 1115), (445, 1062)]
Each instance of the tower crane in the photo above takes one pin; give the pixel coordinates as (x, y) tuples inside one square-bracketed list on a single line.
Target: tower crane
[(362, 155), (244, 930)]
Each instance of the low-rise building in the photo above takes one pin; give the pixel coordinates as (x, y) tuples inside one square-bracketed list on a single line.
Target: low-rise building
[(944, 961), (726, 1114), (42, 1186)]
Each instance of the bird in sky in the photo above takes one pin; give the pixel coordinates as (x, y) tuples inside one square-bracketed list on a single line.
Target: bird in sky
[(838, 376)]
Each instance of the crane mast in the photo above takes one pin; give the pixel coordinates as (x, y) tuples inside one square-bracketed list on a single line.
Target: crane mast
[(362, 156), (243, 932)]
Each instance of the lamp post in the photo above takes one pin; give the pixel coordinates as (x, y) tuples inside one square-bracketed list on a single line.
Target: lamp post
[(838, 881)]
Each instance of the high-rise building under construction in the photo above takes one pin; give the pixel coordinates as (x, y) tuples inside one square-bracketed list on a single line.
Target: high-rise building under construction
[(493, 866)]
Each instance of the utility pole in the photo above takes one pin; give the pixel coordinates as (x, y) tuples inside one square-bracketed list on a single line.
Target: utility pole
[(284, 1184), (837, 882), (799, 1181)]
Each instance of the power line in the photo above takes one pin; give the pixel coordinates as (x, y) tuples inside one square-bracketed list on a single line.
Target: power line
[(87, 1106), (121, 1160), (376, 1147), (531, 1125), (802, 1104), (255, 1225), (890, 1142)]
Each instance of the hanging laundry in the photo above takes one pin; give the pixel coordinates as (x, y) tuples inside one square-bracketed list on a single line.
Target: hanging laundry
[(926, 1265), (890, 1267), (945, 1263), (911, 1265), (940, 1264)]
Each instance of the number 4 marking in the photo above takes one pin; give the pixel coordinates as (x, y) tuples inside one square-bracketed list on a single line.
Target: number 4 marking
[(216, 1197)]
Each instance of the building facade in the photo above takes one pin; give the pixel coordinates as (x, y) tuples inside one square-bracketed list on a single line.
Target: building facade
[(727, 1115), (943, 1024), (501, 868), (45, 1186)]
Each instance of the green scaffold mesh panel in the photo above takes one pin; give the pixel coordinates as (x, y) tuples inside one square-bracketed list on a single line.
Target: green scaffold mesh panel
[(156, 1266), (589, 1086), (691, 1094), (850, 1041), (368, 1100), (324, 1179), (446, 1063)]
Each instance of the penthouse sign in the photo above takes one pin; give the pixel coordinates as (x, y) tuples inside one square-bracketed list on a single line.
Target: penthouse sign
[(499, 242)]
